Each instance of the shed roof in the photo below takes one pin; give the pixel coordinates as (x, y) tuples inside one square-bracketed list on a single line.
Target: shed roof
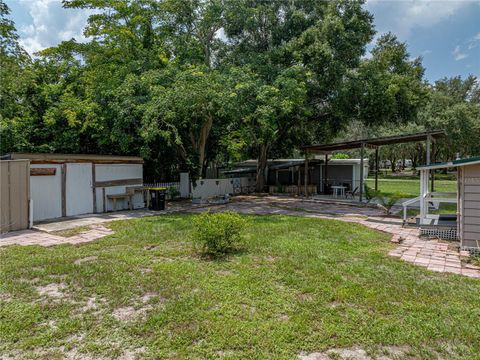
[(385, 140), (52, 158), (455, 163)]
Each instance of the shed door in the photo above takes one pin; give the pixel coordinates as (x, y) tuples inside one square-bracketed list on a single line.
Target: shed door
[(79, 193)]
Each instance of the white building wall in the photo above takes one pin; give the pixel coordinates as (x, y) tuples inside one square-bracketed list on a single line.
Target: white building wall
[(79, 193), (108, 172), (46, 193), (206, 188)]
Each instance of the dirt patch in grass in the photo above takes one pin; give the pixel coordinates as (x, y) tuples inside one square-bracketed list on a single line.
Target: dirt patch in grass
[(223, 272), (128, 313), (5, 297), (151, 247), (92, 304), (305, 296), (71, 232), (85, 259), (53, 290)]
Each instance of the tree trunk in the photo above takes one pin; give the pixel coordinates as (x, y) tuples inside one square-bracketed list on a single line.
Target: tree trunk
[(393, 164), (201, 144), (261, 167)]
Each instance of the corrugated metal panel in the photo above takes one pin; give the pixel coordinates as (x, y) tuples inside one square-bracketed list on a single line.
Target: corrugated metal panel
[(79, 195), (46, 192), (15, 194)]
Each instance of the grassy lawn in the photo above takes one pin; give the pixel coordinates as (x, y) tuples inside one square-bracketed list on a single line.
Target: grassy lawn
[(410, 187), (299, 284)]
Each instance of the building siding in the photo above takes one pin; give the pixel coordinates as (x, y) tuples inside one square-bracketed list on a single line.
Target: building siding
[(470, 221)]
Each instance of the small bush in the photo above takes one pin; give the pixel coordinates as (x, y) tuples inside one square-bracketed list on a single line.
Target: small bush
[(387, 202), (217, 234), (173, 192), (370, 193)]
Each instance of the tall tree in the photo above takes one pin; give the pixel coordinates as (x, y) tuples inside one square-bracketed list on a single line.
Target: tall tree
[(305, 47), (184, 112), (16, 82), (454, 105), (386, 88)]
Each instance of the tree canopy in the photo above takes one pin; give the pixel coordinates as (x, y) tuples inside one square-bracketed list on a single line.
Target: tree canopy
[(187, 82)]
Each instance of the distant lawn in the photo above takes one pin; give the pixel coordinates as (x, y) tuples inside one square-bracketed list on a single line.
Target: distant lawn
[(409, 188), (299, 284)]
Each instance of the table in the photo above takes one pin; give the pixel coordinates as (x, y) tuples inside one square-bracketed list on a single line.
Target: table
[(338, 191)]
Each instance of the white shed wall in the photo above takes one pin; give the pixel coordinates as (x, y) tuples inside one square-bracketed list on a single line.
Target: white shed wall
[(46, 193), (108, 172), (79, 193)]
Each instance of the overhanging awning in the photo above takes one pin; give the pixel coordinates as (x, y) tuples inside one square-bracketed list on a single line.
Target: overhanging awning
[(374, 142), (451, 164)]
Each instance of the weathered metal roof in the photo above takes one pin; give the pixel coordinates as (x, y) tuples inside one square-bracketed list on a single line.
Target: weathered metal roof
[(385, 140), (62, 158), (455, 163)]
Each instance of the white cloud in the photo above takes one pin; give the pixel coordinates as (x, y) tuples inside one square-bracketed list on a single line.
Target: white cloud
[(403, 17), (473, 42), (458, 54), (51, 24)]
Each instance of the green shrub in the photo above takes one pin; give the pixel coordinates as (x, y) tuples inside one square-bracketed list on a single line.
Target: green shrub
[(387, 202), (340, 156), (217, 234), (370, 193), (173, 192)]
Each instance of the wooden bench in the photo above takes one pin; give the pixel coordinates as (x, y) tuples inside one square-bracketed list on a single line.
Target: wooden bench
[(115, 197), (129, 194)]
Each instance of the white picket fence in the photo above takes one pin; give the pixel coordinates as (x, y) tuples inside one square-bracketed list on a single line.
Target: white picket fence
[(207, 188), (168, 185)]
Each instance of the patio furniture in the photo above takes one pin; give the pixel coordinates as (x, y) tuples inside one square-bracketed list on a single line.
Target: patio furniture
[(338, 190), (351, 194)]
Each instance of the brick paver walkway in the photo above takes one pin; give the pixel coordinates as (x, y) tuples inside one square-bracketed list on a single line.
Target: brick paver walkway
[(32, 237)]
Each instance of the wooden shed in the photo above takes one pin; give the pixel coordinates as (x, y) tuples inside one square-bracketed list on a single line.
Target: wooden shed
[(14, 195), (467, 199), (68, 185)]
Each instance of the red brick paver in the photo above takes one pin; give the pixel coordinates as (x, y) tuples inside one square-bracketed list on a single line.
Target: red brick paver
[(32, 237)]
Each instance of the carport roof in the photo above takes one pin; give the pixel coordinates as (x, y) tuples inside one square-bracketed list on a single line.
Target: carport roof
[(374, 142), (455, 163), (52, 158)]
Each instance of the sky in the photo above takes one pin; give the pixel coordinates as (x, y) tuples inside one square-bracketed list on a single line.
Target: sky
[(446, 34)]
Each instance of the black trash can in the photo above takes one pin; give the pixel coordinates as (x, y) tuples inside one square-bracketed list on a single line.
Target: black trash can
[(157, 198)]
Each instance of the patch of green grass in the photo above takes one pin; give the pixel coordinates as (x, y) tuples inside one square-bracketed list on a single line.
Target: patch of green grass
[(298, 284), (409, 188), (71, 232)]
